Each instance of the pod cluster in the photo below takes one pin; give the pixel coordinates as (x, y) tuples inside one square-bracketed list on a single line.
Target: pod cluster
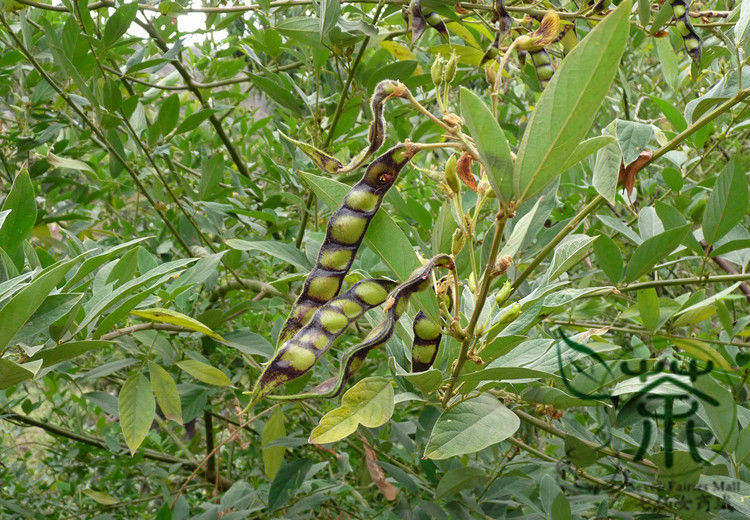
[(394, 307), (690, 38), (297, 356), (344, 234)]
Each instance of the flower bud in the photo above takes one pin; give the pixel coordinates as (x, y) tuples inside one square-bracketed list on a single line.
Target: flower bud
[(437, 71), (503, 293), (451, 174), (457, 242), (451, 67), (490, 72), (472, 283)]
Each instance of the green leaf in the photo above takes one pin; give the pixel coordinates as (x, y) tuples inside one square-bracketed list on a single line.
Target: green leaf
[(607, 171), (491, 143), (427, 381), (586, 148), (277, 92), (383, 236), (15, 313), (722, 419), (70, 164), (609, 258), (175, 318), (330, 10), (369, 403), (727, 203), (18, 224), (288, 481), (12, 373), (169, 113), (281, 250), (669, 62), (652, 250), (520, 231), (555, 397), (742, 27), (118, 23), (66, 351), (136, 407), (648, 306), (569, 103), (466, 55), (569, 253), (100, 497), (471, 426), (193, 120), (204, 372), (165, 390), (458, 479), (273, 456), (701, 350)]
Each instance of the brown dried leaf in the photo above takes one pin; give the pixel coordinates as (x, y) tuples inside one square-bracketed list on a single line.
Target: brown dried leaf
[(376, 472), (463, 168), (628, 173)]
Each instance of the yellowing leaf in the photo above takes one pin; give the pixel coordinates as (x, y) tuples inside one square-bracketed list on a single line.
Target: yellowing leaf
[(204, 372), (176, 318), (462, 32), (700, 350), (369, 403), (466, 55), (166, 393), (398, 50), (101, 498)]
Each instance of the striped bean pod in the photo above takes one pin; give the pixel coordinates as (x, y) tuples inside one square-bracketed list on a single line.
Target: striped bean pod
[(344, 234), (427, 336), (542, 65), (298, 355), (395, 305), (690, 38)]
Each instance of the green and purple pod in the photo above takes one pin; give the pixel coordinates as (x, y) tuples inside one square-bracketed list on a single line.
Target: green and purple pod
[(690, 38), (344, 234), (298, 354)]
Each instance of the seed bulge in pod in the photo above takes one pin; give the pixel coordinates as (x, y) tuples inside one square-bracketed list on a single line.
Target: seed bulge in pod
[(361, 200), (371, 293), (347, 229), (323, 288), (335, 259), (298, 357), (427, 329), (333, 321), (350, 308)]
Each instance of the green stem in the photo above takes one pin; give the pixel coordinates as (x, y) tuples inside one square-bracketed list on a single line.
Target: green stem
[(702, 280), (644, 332), (562, 434), (546, 250), (487, 277)]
